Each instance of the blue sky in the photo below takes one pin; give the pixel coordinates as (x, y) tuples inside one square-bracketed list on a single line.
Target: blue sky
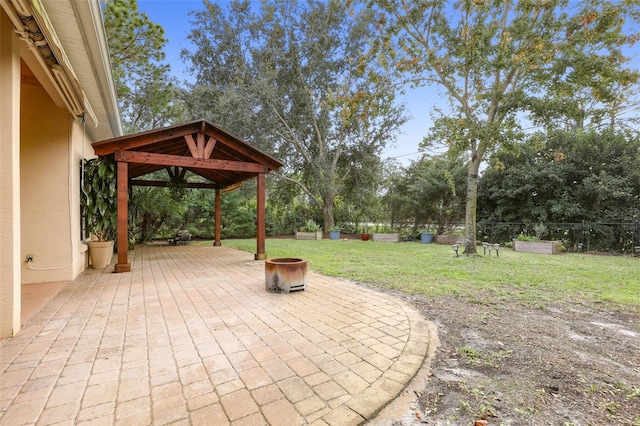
[(174, 18)]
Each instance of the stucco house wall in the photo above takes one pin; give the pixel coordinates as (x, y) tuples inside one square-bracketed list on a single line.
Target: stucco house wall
[(51, 109), (49, 200), (9, 179)]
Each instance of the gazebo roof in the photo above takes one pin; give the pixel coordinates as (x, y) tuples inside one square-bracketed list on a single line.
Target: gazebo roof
[(198, 146)]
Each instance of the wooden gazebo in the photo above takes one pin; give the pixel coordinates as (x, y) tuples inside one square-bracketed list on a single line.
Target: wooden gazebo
[(223, 159)]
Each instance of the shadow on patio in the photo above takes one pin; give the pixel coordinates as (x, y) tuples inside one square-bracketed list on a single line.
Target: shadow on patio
[(191, 335)]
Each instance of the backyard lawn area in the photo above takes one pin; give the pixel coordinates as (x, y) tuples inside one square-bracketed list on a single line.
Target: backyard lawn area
[(434, 270), (524, 338)]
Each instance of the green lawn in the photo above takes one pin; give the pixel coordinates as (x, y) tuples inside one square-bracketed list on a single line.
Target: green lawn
[(435, 270)]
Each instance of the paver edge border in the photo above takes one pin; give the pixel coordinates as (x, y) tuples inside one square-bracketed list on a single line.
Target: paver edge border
[(423, 336)]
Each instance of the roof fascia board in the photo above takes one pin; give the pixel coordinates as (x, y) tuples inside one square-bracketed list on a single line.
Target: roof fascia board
[(142, 139), (90, 20), (66, 78), (29, 52), (57, 69), (229, 139)]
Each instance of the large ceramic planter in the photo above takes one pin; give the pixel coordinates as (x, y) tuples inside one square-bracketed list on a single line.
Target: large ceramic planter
[(364, 236), (426, 237), (334, 235), (100, 253), (284, 275), (309, 235), (542, 247)]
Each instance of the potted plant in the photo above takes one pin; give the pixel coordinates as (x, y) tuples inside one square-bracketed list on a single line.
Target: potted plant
[(364, 236), (334, 233), (426, 235), (99, 208), (309, 231)]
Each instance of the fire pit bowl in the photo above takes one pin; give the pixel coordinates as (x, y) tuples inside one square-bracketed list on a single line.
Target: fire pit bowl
[(285, 274)]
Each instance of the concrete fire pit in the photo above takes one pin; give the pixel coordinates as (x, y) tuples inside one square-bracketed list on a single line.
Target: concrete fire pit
[(285, 275)]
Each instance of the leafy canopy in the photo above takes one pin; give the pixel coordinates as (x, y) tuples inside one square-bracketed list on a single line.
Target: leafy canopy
[(290, 77), (564, 177), (146, 94)]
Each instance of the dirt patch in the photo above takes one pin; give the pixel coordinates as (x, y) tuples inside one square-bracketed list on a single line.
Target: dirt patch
[(561, 364)]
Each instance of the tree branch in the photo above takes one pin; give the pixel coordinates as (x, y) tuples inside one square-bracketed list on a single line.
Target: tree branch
[(302, 186)]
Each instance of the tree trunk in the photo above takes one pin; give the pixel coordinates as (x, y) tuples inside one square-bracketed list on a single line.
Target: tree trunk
[(327, 213), (471, 206)]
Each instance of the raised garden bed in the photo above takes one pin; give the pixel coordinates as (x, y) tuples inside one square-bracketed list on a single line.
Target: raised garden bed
[(309, 235), (542, 247), (386, 237)]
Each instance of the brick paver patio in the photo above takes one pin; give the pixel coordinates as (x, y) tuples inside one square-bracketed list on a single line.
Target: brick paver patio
[(190, 336)]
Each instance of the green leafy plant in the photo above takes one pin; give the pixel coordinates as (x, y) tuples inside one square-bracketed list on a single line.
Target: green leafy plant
[(348, 228), (540, 230), (99, 198), (178, 187), (311, 226), (469, 352), (524, 237)]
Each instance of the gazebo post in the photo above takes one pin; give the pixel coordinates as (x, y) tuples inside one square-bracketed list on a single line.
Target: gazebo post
[(218, 215), (261, 228), (123, 217)]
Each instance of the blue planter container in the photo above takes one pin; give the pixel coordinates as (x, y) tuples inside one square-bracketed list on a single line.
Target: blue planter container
[(426, 238), (334, 235)]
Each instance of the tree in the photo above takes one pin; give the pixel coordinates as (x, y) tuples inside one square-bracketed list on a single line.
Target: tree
[(564, 177), (289, 78), (362, 187), (146, 94), (437, 190), (149, 209), (494, 60), (430, 191)]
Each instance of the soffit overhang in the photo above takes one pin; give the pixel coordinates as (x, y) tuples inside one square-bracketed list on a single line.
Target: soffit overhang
[(64, 45)]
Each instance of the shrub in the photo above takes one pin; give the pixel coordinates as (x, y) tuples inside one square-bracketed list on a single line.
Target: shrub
[(310, 226)]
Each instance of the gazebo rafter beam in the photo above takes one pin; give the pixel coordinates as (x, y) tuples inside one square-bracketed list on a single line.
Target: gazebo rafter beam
[(162, 183), (178, 160), (208, 149)]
